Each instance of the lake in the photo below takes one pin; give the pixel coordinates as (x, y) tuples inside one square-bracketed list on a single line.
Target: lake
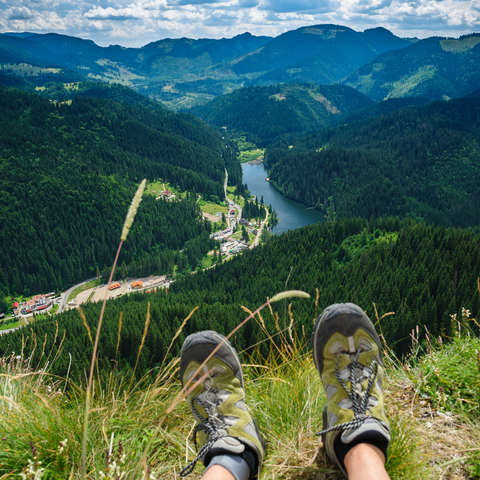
[(291, 214)]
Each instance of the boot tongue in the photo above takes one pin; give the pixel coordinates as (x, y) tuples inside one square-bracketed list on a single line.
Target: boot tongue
[(359, 371)]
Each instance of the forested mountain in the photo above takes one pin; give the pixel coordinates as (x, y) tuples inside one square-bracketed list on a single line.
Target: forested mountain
[(433, 68), (153, 69), (320, 54), (422, 162), (208, 51), (71, 51), (266, 113), (67, 172), (335, 49), (423, 273), (183, 72)]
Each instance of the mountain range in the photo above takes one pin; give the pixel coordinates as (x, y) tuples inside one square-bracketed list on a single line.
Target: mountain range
[(182, 73)]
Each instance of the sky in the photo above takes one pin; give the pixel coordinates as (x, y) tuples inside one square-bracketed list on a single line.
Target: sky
[(134, 23)]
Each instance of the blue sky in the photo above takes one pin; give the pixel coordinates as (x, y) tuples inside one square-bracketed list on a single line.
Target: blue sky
[(134, 23)]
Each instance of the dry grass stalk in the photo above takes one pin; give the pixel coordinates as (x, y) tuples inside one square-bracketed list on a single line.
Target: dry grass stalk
[(317, 297), (85, 324), (145, 330), (118, 336)]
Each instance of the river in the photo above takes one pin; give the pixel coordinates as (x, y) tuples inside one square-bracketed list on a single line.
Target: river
[(291, 214)]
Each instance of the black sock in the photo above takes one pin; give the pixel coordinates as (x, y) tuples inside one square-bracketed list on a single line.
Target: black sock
[(341, 449)]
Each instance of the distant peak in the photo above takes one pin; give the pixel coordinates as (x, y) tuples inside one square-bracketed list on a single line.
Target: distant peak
[(326, 26), (377, 29), (19, 34)]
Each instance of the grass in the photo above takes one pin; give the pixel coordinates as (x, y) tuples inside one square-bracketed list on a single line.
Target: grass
[(213, 208), (239, 200), (18, 323), (157, 186), (250, 155), (248, 149), (42, 418), (207, 261), (283, 392), (82, 288)]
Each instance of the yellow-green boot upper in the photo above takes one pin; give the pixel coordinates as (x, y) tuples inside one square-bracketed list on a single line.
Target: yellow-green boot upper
[(347, 353), (223, 423)]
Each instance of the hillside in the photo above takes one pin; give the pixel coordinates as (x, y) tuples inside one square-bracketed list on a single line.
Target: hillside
[(434, 68), (422, 162), (66, 170), (147, 423), (336, 48), (184, 72), (334, 52), (266, 113), (150, 69), (72, 51)]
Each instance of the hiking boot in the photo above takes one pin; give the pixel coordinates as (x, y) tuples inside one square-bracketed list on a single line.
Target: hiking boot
[(348, 356), (224, 425)]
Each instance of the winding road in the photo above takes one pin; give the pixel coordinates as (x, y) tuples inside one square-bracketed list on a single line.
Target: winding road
[(64, 299), (231, 203)]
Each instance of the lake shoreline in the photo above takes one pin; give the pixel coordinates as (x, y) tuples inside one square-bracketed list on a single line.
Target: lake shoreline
[(291, 214)]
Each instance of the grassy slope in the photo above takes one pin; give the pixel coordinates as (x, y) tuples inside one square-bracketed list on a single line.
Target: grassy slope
[(433, 68), (284, 393)]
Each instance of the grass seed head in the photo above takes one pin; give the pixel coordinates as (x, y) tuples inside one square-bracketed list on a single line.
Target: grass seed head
[(133, 209), (289, 294)]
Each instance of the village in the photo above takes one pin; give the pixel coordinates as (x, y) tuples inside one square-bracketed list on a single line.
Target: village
[(230, 244)]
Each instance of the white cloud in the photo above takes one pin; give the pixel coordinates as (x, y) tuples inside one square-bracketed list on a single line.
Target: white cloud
[(137, 22), (21, 19), (109, 13), (19, 13)]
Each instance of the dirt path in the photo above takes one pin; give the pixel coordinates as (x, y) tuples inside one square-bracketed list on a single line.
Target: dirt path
[(212, 218)]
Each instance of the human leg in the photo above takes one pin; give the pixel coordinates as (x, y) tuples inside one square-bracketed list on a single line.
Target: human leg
[(217, 473), (228, 439), (365, 462), (347, 354)]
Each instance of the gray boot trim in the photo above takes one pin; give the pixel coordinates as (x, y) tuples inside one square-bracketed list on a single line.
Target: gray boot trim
[(235, 464)]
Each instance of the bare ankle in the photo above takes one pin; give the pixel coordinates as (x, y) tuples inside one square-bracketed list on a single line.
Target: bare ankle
[(365, 462)]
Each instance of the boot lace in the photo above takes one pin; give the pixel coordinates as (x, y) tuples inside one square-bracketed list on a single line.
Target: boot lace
[(213, 425), (356, 394)]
